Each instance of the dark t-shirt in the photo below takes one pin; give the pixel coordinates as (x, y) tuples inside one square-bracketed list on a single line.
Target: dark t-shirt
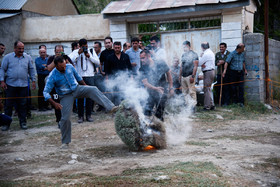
[(51, 58), (104, 54), (187, 63), (155, 74), (113, 64)]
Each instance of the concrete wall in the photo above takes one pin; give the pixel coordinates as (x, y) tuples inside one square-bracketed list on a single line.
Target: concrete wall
[(33, 48), (119, 31), (231, 28), (64, 28), (10, 31), (255, 64), (51, 7)]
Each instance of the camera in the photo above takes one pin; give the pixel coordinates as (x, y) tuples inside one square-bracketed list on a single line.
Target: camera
[(149, 47), (85, 49)]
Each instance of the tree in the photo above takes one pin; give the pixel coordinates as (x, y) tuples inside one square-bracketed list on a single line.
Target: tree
[(274, 19)]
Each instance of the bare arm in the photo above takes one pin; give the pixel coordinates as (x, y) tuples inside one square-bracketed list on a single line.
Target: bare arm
[(170, 82), (55, 104), (225, 69), (244, 67), (180, 74), (149, 86), (51, 66), (82, 82)]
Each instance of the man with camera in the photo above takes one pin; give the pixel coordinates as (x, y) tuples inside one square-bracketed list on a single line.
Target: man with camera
[(156, 51), (84, 62)]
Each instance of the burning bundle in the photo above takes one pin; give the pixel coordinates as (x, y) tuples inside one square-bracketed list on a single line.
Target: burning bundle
[(138, 132)]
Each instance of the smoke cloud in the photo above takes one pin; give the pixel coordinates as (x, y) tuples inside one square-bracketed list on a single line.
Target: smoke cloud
[(177, 115)]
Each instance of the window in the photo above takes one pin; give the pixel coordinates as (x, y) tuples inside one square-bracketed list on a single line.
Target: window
[(179, 25)]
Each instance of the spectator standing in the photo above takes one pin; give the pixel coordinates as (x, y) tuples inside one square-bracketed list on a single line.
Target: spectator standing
[(153, 78), (220, 59), (188, 74), (134, 55), (99, 78), (84, 62), (64, 78), (126, 46), (117, 63), (175, 72), (141, 45), (42, 72), (207, 62), (16, 84), (105, 53), (156, 51), (44, 47), (235, 67), (2, 51), (97, 48), (74, 46)]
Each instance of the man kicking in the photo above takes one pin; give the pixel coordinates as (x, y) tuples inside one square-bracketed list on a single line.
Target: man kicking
[(64, 79)]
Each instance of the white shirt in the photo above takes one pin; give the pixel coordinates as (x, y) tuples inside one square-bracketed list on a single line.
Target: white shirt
[(159, 54), (208, 59), (83, 64)]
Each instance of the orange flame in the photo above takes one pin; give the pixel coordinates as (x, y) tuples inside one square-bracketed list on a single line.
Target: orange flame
[(149, 147)]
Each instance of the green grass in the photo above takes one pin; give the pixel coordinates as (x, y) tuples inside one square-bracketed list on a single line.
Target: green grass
[(36, 121), (179, 174), (249, 137), (197, 143), (250, 111)]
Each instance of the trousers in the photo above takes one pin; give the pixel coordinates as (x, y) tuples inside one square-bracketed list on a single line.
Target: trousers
[(66, 101), (189, 91), (208, 78), (18, 97)]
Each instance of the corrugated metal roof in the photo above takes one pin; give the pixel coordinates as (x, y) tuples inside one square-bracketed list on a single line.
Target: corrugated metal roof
[(12, 4), (129, 6), (7, 15)]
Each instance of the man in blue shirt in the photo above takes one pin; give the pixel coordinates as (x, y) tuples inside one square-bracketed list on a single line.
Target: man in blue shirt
[(64, 78), (134, 55), (42, 72), (236, 63), (15, 68)]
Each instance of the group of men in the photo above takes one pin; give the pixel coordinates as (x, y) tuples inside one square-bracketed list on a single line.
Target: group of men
[(85, 73), (231, 69)]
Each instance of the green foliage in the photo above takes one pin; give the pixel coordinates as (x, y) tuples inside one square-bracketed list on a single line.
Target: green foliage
[(91, 6), (127, 128), (274, 21)]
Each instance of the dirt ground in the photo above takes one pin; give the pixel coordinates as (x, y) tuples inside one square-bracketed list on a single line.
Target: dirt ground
[(246, 151)]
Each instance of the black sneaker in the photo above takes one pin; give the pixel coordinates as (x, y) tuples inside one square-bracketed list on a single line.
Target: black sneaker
[(212, 108), (42, 109), (5, 127), (89, 119), (80, 120), (23, 126)]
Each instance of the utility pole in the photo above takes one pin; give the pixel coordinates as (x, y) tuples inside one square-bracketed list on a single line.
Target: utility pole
[(266, 4)]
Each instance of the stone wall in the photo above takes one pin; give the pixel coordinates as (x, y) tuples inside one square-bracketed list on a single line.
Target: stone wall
[(255, 64)]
